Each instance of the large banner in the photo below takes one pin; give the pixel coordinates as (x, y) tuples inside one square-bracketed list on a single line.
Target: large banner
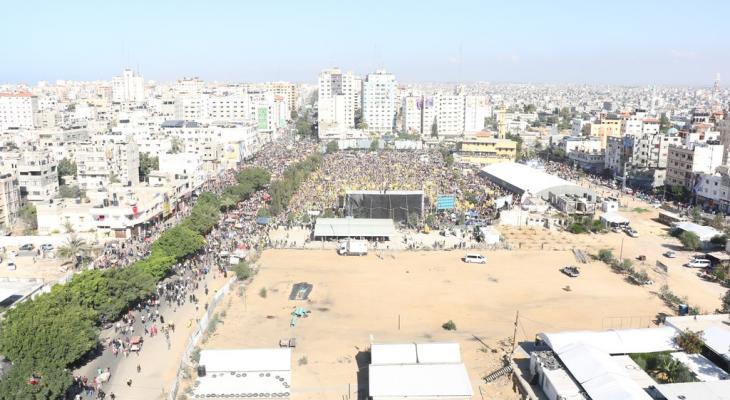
[(445, 202), (393, 205)]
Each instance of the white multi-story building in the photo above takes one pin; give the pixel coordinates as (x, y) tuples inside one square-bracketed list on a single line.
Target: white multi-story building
[(18, 110), (38, 175), (379, 102), (713, 190), (450, 114), (337, 94), (570, 144), (189, 85), (107, 160), (228, 108), (476, 110), (190, 107), (684, 163), (129, 87)]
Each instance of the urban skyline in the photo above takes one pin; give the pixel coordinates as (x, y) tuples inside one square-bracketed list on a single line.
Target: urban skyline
[(663, 43)]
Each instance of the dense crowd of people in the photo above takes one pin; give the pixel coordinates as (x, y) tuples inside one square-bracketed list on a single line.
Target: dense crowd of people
[(382, 170), (237, 231)]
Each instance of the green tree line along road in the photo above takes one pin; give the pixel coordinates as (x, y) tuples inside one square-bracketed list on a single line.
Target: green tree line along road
[(47, 336)]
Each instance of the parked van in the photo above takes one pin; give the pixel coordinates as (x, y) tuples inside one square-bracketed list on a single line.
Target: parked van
[(475, 258)]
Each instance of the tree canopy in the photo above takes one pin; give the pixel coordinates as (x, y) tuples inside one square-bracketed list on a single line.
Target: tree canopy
[(147, 163), (66, 167)]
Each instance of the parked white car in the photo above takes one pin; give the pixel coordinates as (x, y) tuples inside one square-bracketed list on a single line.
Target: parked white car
[(475, 258), (699, 263)]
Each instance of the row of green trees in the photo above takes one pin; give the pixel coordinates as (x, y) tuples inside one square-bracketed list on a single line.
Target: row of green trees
[(282, 190), (46, 336)]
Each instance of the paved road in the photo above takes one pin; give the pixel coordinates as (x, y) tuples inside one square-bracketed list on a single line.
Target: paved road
[(159, 363)]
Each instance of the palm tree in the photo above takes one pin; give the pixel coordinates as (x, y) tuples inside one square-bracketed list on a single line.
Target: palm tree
[(74, 250), (68, 226)]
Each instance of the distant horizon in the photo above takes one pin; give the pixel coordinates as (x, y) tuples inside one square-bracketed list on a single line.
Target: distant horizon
[(566, 42), (398, 81)]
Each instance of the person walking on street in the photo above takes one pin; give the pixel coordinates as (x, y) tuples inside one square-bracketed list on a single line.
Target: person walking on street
[(139, 368), (129, 382)]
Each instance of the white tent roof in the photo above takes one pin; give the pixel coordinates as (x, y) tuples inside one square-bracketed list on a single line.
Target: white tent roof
[(354, 227), (420, 380), (614, 218), (246, 360), (623, 341), (525, 178)]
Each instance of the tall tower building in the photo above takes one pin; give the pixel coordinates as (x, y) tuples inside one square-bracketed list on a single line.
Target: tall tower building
[(337, 99), (128, 87), (379, 102)]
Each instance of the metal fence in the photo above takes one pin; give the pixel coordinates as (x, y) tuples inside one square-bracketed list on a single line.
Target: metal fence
[(195, 336)]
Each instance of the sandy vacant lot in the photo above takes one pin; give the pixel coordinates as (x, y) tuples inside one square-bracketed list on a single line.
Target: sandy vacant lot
[(359, 300)]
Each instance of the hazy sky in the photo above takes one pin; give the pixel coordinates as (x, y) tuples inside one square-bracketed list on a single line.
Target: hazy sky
[(623, 42)]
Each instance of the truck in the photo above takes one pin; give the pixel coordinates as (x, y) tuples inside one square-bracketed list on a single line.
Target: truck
[(353, 247)]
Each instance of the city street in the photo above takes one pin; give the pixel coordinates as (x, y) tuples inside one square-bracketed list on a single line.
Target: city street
[(158, 362)]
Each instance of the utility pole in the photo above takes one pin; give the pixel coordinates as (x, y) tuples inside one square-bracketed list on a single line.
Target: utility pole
[(621, 254)]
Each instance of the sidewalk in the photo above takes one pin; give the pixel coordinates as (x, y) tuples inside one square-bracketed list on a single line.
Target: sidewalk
[(159, 364)]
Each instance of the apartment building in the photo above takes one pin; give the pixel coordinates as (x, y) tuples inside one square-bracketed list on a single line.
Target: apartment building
[(411, 114), (588, 160), (128, 87), (38, 175), (713, 190), (609, 126), (379, 102), (107, 160), (9, 196), (684, 163), (18, 110), (449, 115), (287, 90), (476, 110), (337, 94)]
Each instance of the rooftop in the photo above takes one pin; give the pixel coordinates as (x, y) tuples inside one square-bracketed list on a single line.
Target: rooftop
[(354, 227)]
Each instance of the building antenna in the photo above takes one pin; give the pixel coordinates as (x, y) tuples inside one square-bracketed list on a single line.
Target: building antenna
[(461, 61)]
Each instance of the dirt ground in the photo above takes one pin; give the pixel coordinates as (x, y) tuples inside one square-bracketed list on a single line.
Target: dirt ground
[(653, 241), (407, 296)]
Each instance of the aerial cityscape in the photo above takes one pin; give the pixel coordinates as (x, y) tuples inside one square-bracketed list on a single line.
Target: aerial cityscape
[(329, 201)]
